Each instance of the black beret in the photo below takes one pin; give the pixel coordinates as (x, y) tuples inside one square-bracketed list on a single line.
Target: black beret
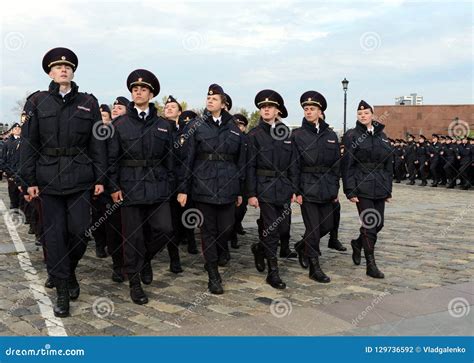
[(271, 97), (187, 115), (241, 119), (313, 98), (120, 100), (448, 138), (228, 101), (171, 99), (435, 135), (57, 56), (16, 124), (215, 89), (410, 135), (364, 105), (142, 77), (104, 108), (421, 137)]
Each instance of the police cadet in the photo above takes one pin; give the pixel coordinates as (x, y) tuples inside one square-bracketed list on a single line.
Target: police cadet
[(399, 164), (242, 122), (271, 179), (11, 158), (367, 178), (449, 155), (434, 150), (119, 107), (140, 172), (186, 232), (61, 162), (441, 161), (410, 158), (214, 173), (172, 111), (422, 156), (318, 156), (465, 161)]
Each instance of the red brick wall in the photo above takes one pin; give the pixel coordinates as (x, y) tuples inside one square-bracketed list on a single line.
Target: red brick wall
[(426, 119)]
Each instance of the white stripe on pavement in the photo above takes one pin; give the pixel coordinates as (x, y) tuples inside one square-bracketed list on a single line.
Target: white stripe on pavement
[(53, 324)]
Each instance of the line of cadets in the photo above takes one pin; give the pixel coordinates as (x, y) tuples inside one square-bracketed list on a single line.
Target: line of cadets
[(444, 160), (156, 168)]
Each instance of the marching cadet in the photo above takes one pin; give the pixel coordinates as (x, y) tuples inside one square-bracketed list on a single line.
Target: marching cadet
[(434, 151), (422, 155), (271, 179), (187, 233), (214, 173), (399, 164), (140, 174), (119, 107), (449, 155), (367, 179), (317, 160), (172, 111), (61, 162), (242, 122), (465, 161), (10, 165), (441, 160), (410, 158)]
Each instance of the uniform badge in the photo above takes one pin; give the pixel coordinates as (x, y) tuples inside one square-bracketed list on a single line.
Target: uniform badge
[(182, 139)]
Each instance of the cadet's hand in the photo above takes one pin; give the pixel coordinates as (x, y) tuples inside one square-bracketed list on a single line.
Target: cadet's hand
[(117, 196), (33, 192), (426, 163), (98, 189), (388, 200), (293, 198), (182, 198), (336, 200), (27, 198), (253, 201), (299, 199), (239, 201), (20, 189), (354, 200), (416, 162)]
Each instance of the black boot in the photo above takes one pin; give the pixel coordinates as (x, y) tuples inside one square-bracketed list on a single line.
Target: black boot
[(299, 248), (234, 243), (224, 258), (215, 279), (239, 229), (136, 292), (31, 230), (206, 267), (356, 251), (192, 249), (372, 269), (146, 273), (259, 256), (411, 182), (335, 244), (61, 309), (273, 276), (315, 272), (73, 286), (423, 184), (434, 185), (49, 283), (285, 251), (117, 275), (175, 266)]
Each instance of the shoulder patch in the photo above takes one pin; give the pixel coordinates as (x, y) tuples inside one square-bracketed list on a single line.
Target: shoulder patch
[(235, 132), (287, 141), (331, 141), (162, 130)]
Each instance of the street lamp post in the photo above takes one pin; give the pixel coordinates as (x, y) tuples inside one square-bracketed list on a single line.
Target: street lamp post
[(345, 83)]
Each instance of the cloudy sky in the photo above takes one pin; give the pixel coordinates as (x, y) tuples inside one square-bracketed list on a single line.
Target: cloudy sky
[(385, 49)]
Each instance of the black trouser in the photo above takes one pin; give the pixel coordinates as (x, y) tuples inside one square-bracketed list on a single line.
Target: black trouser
[(411, 170), (434, 169), (276, 224), (422, 171), (399, 170), (216, 229), (450, 170), (333, 233), (38, 224), (318, 221), (146, 229), (239, 217), (14, 195), (464, 170), (178, 229), (66, 219), (99, 232), (371, 214)]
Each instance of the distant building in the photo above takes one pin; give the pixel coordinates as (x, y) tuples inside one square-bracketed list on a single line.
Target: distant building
[(411, 100), (426, 119)]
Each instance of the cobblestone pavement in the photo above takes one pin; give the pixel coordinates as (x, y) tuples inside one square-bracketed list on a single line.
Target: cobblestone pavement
[(425, 250)]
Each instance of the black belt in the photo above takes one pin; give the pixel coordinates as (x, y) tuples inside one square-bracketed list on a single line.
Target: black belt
[(215, 157), (271, 173), (62, 151), (139, 163), (316, 169), (372, 166)]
